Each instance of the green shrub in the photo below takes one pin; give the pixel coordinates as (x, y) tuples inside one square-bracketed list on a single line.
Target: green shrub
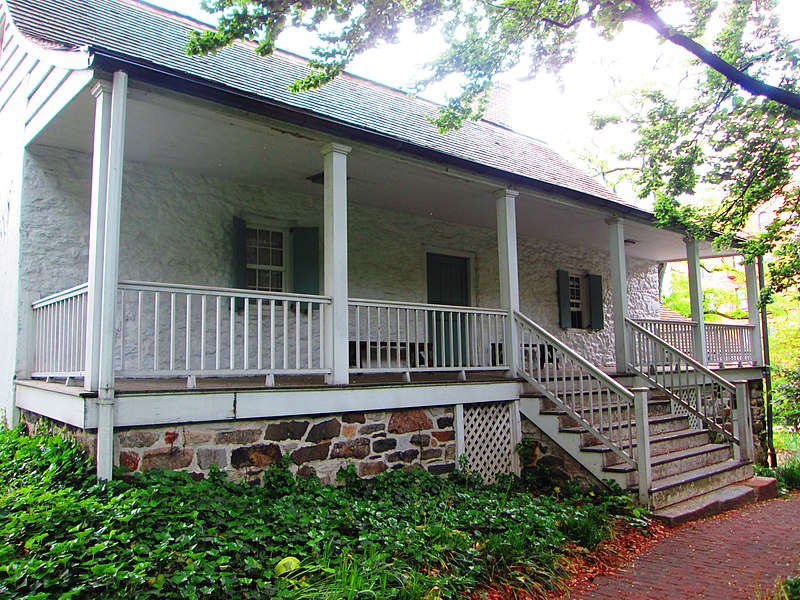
[(405, 534), (787, 397)]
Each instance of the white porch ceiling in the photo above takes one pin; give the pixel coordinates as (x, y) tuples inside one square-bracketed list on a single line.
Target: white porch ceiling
[(190, 136)]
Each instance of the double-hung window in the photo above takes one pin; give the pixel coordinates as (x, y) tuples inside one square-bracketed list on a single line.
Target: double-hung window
[(580, 301), (270, 256), (267, 253)]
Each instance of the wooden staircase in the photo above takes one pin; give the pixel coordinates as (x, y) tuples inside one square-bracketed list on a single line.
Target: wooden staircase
[(685, 462), (683, 435)]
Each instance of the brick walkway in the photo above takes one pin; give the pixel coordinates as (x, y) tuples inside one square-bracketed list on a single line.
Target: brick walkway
[(730, 557)]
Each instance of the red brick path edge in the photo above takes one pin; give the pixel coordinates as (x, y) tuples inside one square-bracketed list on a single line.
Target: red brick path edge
[(736, 555)]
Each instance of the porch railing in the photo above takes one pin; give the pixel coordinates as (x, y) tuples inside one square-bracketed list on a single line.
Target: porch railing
[(603, 406), (166, 330), (60, 334), (729, 344), (710, 401), (726, 344), (405, 337)]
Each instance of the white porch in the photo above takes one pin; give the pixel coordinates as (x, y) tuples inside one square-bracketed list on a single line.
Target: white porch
[(111, 329)]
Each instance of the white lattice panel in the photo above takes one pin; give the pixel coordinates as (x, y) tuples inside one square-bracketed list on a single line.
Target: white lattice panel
[(489, 438)]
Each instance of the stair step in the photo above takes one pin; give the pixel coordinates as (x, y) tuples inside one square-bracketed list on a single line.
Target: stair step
[(655, 408), (680, 461), (718, 501), (660, 444), (676, 488), (658, 425)]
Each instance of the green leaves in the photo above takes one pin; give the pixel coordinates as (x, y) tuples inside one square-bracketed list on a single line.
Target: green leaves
[(164, 535)]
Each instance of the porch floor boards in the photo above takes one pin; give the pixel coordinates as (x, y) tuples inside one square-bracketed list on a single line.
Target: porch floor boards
[(209, 384)]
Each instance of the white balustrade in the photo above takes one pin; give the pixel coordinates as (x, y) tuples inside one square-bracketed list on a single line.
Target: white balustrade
[(60, 334), (586, 393), (726, 345), (694, 389), (730, 345), (176, 330), (679, 334), (406, 337)]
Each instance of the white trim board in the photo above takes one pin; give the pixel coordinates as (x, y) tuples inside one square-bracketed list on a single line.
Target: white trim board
[(147, 409)]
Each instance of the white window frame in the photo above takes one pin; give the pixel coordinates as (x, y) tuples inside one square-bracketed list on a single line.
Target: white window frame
[(282, 227)]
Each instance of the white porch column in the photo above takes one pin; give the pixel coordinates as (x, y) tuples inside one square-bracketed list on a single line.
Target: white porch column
[(102, 127), (619, 291), (509, 275), (110, 277), (753, 313), (696, 300), (337, 330)]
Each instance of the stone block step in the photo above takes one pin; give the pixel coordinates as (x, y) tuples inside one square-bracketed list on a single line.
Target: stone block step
[(658, 425), (660, 444), (681, 461), (656, 408), (677, 488), (718, 501)]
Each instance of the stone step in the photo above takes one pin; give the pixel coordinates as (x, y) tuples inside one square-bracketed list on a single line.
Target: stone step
[(658, 425), (661, 444), (718, 501), (656, 408), (681, 461), (677, 488)]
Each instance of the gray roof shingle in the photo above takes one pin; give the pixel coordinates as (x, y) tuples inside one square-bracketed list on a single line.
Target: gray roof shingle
[(149, 36)]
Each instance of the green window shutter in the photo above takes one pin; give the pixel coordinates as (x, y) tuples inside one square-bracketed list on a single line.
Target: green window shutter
[(305, 260), (562, 289), (239, 233), (595, 302)]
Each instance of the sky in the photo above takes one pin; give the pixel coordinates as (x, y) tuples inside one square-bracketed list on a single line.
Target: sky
[(550, 110)]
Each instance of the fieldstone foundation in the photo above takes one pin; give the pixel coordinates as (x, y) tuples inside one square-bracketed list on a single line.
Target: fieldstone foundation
[(315, 446), (547, 453)]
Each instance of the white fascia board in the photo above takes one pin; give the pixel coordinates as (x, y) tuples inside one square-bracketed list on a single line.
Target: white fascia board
[(195, 406), (66, 408)]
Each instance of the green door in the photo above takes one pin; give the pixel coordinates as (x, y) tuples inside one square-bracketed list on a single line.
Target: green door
[(448, 283)]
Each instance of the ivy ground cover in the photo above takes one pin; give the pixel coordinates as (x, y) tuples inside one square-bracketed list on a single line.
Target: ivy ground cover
[(404, 534)]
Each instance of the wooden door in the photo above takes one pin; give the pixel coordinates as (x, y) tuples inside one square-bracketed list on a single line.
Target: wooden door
[(449, 284)]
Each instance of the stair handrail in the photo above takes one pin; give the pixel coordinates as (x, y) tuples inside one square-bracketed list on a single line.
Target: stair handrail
[(687, 377), (618, 398)]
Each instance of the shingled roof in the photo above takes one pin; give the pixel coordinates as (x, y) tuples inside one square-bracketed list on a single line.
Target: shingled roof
[(127, 32)]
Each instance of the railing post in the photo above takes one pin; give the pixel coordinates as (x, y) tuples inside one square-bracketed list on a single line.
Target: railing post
[(744, 422), (509, 277), (337, 331), (643, 464)]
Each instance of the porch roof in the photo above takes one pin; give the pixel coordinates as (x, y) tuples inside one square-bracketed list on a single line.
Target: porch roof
[(148, 42)]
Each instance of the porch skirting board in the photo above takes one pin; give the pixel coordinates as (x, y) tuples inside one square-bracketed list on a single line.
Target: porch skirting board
[(320, 430)]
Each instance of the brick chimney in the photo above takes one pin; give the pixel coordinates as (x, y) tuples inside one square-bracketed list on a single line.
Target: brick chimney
[(498, 111)]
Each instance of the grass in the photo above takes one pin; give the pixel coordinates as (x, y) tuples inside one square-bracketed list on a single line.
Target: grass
[(786, 441), (405, 534)]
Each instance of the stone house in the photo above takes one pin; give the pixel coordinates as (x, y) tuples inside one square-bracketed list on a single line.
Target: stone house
[(201, 268)]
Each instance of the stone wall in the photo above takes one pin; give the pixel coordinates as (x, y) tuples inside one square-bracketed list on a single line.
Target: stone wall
[(318, 446), (547, 453)]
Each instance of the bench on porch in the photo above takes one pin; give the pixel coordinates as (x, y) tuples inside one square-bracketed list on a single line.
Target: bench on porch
[(389, 353)]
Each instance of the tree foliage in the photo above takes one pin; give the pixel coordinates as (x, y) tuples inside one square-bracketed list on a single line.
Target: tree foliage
[(738, 132)]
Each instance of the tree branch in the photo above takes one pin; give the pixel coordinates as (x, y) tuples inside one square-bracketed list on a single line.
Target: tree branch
[(750, 84)]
